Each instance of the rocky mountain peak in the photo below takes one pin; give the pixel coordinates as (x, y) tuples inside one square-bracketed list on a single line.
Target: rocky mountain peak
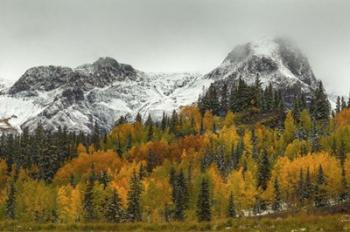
[(275, 60)]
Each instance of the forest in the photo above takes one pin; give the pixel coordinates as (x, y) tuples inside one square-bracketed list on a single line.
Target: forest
[(242, 151)]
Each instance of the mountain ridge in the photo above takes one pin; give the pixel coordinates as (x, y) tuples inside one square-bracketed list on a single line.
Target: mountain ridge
[(100, 92)]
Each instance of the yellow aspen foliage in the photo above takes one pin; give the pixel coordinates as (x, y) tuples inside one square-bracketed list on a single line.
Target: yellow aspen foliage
[(220, 191), (229, 120), (289, 128), (153, 207), (208, 121), (288, 172), (191, 113), (294, 149), (81, 149), (343, 118), (80, 166), (242, 184), (305, 120)]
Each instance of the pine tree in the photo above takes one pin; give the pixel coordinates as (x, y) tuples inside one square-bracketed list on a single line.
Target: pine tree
[(263, 170), (10, 204), (113, 208), (341, 153), (138, 118), (231, 209), (151, 162), (150, 133), (104, 179), (180, 195), (88, 203), (224, 100), (203, 203), (129, 142), (133, 199), (320, 107), (344, 194), (276, 206), (343, 103), (320, 192), (338, 105), (307, 191), (142, 172), (301, 187)]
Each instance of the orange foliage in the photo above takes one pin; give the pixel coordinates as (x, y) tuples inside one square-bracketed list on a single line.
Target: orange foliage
[(80, 166)]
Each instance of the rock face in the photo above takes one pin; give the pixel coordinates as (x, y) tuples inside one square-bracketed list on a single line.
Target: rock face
[(103, 91), (276, 61), (99, 93)]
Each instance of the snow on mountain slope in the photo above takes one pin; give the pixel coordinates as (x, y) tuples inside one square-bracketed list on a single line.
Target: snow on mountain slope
[(274, 60), (101, 92), (95, 93)]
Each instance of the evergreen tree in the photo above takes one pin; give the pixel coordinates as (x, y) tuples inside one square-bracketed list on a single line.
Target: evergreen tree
[(138, 118), (151, 162), (224, 100), (263, 170), (320, 107), (307, 191), (142, 172), (344, 194), (129, 142), (276, 206), (343, 103), (180, 195), (113, 208), (320, 192), (10, 204), (133, 199), (231, 209), (341, 153), (88, 203), (203, 203), (301, 187), (338, 105)]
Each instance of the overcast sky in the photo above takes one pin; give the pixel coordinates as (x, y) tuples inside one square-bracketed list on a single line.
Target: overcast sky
[(170, 35)]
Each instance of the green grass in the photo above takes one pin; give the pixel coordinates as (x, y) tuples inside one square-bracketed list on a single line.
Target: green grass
[(299, 223)]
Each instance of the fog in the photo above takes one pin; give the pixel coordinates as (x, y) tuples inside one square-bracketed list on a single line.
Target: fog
[(170, 35)]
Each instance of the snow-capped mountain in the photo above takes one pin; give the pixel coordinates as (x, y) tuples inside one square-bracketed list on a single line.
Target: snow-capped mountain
[(99, 93), (275, 60), (103, 91)]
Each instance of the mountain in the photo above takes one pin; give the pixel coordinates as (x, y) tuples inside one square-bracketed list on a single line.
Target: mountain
[(274, 60), (98, 93), (103, 91)]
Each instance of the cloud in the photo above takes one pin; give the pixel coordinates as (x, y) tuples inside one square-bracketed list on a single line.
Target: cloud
[(170, 35)]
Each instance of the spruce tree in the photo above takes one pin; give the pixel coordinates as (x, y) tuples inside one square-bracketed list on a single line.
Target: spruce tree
[(300, 187), (263, 170), (341, 152), (231, 209), (320, 107), (133, 199), (276, 206), (180, 195), (10, 204), (113, 208), (338, 105), (88, 203), (203, 203), (320, 191), (344, 194)]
